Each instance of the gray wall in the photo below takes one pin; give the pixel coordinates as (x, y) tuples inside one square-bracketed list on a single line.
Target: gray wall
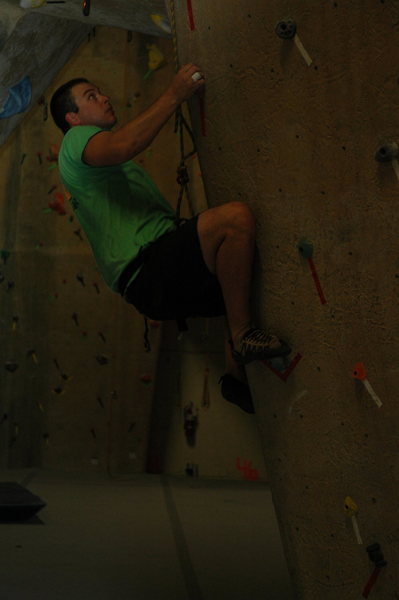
[(297, 143)]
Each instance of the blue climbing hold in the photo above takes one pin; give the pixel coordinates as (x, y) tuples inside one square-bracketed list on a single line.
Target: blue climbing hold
[(18, 100)]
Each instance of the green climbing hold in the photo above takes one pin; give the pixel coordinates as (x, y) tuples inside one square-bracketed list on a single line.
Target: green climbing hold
[(305, 248)]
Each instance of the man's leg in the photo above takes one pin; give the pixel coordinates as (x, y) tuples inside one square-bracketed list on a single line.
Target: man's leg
[(227, 238)]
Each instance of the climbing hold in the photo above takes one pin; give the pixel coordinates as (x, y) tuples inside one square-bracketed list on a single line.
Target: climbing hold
[(359, 372), (58, 204), (248, 473), (155, 59), (191, 470), (53, 153), (376, 556), (32, 354), (389, 152), (305, 248), (146, 378), (18, 99), (42, 102), (161, 22), (102, 359), (81, 279), (11, 366), (5, 255), (287, 30), (351, 510), (190, 423)]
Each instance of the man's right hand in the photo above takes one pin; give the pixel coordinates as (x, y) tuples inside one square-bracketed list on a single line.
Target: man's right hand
[(183, 85)]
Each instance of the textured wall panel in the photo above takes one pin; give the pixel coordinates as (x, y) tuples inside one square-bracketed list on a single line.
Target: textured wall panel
[(297, 143)]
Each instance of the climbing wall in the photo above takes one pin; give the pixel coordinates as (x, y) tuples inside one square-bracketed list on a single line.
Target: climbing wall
[(77, 389), (301, 97), (76, 382)]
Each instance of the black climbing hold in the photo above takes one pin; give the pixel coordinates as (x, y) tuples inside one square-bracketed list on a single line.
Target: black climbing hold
[(387, 152), (286, 30), (305, 248), (101, 359), (376, 556)]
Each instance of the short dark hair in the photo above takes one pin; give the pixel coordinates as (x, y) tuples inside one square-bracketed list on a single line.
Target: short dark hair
[(62, 103)]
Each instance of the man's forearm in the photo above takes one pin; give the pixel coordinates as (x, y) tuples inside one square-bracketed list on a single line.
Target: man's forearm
[(137, 135), (111, 148)]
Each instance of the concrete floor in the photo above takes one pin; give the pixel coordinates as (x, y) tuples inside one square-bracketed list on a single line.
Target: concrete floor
[(148, 538)]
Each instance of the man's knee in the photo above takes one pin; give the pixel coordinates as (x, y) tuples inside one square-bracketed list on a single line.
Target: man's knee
[(241, 216)]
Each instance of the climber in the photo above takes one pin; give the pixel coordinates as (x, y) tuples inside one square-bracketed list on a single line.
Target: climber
[(166, 269)]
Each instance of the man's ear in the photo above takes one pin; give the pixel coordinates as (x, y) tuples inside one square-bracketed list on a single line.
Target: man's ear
[(72, 118)]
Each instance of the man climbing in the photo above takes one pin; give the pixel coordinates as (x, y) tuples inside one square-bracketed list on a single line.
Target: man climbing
[(166, 269)]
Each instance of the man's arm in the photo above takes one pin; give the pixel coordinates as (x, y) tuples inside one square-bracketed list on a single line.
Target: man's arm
[(111, 148)]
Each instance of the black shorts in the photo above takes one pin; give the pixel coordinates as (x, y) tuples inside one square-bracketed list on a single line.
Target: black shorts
[(174, 282)]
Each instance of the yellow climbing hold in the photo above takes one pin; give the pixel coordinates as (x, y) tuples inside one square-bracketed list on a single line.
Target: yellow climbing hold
[(155, 57), (161, 22), (351, 507)]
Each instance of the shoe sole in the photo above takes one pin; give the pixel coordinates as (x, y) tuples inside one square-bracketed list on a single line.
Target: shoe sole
[(284, 350)]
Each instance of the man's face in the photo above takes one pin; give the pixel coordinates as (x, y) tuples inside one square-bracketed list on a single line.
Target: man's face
[(94, 107)]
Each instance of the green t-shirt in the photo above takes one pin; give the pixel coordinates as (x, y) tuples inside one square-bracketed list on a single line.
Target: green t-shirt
[(119, 207)]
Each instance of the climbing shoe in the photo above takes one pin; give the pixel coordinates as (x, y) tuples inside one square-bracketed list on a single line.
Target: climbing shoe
[(236, 392), (259, 345)]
